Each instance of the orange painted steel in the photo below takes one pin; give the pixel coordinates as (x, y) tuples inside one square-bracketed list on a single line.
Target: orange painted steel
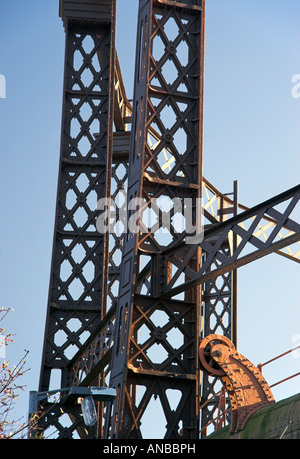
[(245, 385)]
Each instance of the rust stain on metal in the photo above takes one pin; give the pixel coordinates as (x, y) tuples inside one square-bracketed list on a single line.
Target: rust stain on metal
[(245, 385)]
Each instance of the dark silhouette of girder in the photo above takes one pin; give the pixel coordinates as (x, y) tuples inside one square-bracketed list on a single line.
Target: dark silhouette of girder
[(79, 269)]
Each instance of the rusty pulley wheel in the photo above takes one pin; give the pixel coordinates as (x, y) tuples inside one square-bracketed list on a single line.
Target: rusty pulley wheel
[(210, 346)]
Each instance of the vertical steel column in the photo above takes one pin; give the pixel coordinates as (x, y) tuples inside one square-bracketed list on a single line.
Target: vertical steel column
[(79, 269), (155, 356), (220, 317)]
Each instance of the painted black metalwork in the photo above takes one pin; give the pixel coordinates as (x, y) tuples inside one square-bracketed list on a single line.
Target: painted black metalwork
[(155, 350), (128, 308), (79, 269)]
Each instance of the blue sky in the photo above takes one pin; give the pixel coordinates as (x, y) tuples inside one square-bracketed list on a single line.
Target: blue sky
[(251, 134)]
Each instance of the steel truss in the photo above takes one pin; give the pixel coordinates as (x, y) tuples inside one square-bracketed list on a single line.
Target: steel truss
[(79, 270), (167, 107), (150, 297)]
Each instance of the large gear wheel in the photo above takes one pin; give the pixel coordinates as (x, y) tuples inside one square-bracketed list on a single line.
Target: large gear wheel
[(208, 346), (246, 387)]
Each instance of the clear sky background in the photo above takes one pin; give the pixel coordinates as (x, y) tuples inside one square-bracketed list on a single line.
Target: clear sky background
[(251, 134)]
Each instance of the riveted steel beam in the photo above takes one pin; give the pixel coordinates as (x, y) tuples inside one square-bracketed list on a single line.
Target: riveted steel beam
[(246, 227), (165, 162), (79, 268)]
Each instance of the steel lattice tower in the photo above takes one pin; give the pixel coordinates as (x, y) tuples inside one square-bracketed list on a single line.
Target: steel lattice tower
[(134, 305), (79, 273)]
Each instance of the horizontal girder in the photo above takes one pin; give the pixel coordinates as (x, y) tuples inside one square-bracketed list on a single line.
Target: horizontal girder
[(247, 237)]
